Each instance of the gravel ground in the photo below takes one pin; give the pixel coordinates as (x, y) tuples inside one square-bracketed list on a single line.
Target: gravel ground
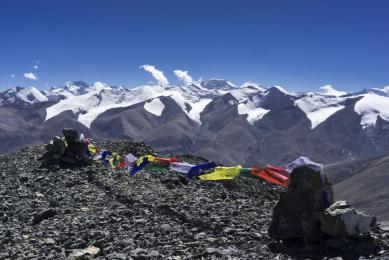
[(55, 214)]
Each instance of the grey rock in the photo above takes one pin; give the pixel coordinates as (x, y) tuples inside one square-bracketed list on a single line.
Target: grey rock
[(341, 220), (23, 177), (49, 241), (48, 213), (80, 254), (116, 256)]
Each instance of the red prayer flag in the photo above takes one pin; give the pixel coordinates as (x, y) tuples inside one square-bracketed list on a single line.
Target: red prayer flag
[(122, 164), (165, 161), (274, 174)]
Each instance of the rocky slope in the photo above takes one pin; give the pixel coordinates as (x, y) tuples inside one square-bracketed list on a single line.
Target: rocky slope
[(153, 215)]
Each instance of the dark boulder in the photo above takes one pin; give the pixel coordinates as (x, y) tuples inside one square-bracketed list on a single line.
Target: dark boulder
[(40, 216), (297, 214)]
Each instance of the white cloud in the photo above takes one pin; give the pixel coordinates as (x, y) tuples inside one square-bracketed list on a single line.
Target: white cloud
[(183, 75), (36, 66), (329, 90), (30, 75), (157, 74)]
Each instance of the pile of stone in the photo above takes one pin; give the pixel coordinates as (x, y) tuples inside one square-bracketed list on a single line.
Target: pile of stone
[(307, 211), (68, 151)]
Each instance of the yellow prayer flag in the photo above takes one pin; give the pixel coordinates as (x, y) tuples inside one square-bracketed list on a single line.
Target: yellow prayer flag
[(150, 158), (111, 162), (92, 149), (222, 173)]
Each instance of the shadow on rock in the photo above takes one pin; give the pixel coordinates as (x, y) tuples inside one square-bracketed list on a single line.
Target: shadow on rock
[(350, 248)]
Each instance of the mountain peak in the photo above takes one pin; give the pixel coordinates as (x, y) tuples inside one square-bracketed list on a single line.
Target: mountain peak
[(22, 96), (253, 85), (379, 91), (330, 91), (277, 88), (76, 87), (218, 84), (98, 86)]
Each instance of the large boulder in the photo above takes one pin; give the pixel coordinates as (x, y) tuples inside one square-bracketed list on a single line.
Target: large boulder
[(297, 214), (341, 220)]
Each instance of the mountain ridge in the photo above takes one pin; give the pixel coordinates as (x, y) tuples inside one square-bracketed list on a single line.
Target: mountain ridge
[(215, 119)]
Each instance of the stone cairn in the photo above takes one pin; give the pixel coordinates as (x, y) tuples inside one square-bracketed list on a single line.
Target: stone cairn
[(68, 151)]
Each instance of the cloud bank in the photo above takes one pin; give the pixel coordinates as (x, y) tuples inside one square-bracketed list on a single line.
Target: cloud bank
[(157, 74), (183, 75), (30, 75)]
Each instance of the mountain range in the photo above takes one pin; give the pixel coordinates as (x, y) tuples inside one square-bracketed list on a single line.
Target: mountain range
[(215, 119)]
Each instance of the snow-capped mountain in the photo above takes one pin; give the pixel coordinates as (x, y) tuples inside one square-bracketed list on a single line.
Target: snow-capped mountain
[(99, 98), (21, 96), (88, 102), (218, 84), (370, 106), (212, 118), (69, 90), (249, 101), (318, 107), (91, 102)]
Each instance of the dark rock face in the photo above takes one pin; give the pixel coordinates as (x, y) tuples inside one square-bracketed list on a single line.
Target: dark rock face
[(153, 215), (172, 131), (297, 214)]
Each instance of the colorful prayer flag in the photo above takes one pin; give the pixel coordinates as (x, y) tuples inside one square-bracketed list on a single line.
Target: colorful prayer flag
[(196, 170), (222, 173)]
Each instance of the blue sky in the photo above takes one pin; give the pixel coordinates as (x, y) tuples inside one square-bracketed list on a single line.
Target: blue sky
[(301, 45)]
